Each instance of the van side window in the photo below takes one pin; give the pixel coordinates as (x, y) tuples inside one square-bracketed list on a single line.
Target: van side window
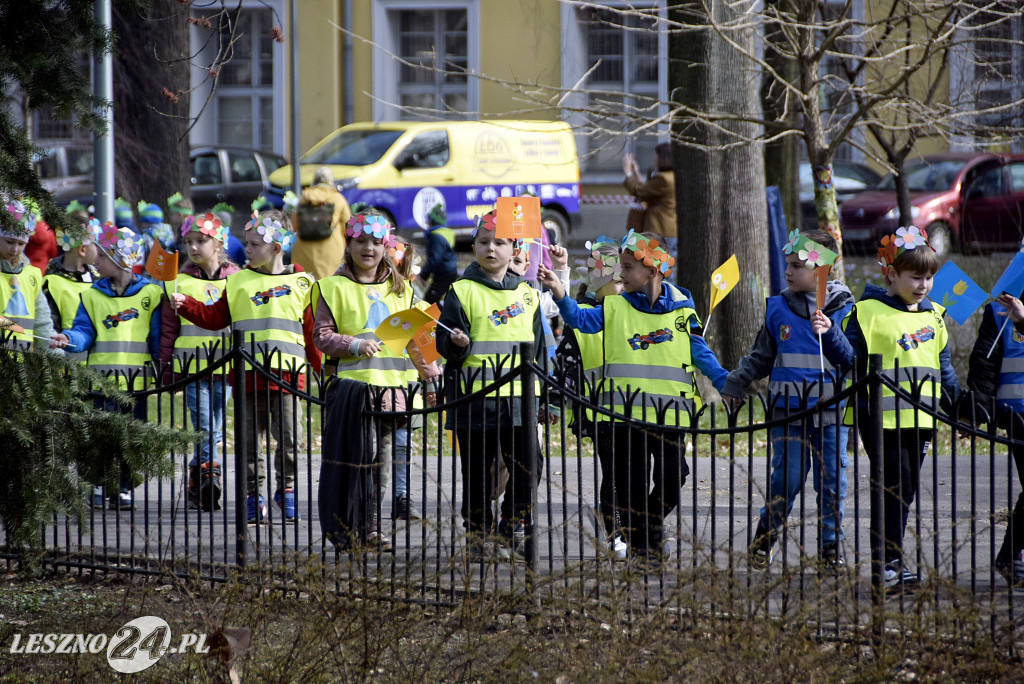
[(427, 150)]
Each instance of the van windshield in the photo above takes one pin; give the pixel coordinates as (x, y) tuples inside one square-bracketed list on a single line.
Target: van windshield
[(926, 176), (354, 148)]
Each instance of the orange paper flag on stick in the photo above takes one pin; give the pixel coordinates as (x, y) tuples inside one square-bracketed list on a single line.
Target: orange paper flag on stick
[(821, 275), (518, 218), (161, 264), (425, 338)]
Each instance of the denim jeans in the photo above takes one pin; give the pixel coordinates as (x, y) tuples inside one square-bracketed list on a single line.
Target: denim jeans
[(795, 449), (206, 400)]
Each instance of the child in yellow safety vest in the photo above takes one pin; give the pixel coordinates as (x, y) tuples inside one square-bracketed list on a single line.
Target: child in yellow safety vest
[(367, 289), (188, 349), (907, 329), (269, 302), (71, 273), (652, 342), (118, 324), (22, 301)]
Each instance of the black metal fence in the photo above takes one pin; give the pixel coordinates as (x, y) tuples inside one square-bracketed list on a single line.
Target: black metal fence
[(709, 471)]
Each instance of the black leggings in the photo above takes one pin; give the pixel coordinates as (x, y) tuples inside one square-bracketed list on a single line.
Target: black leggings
[(478, 451)]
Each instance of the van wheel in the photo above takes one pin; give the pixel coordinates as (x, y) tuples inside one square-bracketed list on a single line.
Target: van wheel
[(557, 226), (940, 238)]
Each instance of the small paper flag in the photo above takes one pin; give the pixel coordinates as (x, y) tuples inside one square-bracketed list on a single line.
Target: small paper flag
[(425, 338), (398, 328), (723, 279), (161, 264), (821, 276), (955, 290), (1012, 280), (518, 218)]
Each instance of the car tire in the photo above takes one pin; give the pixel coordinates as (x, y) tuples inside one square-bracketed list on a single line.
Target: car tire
[(557, 225), (940, 237)]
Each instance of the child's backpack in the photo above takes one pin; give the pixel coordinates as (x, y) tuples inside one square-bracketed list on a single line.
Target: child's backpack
[(313, 221)]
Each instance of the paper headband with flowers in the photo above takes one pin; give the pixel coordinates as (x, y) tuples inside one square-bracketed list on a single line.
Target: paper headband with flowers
[(488, 221), (270, 229), (207, 224), (648, 251), (122, 245), (396, 252), (902, 240), (18, 221), (369, 224), (80, 235), (810, 252)]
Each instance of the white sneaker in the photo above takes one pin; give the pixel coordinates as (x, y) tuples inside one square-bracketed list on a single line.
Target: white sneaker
[(123, 502), (618, 547), (897, 575), (98, 501)]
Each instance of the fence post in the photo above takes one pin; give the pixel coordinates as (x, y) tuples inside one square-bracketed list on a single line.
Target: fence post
[(873, 427), (529, 418), (238, 399)]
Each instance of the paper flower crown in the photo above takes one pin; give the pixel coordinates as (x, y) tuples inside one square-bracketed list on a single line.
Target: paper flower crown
[(648, 251), (270, 229), (18, 221), (601, 268), (369, 224), (80, 235), (122, 245), (902, 240), (207, 224), (810, 252), (489, 221)]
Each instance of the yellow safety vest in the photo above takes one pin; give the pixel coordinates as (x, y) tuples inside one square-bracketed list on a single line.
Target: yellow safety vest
[(648, 352), (67, 295), (269, 310), (358, 308), (191, 348), (122, 333), (18, 294), (501, 320), (591, 346), (914, 340)]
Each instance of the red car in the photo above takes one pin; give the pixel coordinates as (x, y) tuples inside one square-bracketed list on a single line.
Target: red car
[(966, 201)]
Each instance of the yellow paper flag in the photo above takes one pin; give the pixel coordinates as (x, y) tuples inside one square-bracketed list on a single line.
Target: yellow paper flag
[(723, 279), (398, 328)]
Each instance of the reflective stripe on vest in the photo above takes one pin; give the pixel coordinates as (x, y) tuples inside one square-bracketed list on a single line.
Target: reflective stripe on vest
[(912, 340), (1010, 382), (192, 347), (122, 333), (18, 294), (500, 319), (269, 309), (357, 309), (648, 352), (796, 378)]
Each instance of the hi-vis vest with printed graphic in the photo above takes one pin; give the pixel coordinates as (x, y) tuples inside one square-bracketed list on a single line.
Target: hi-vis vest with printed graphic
[(358, 308), (122, 333), (67, 295), (797, 370), (648, 352), (1010, 392), (191, 348), (501, 319), (591, 346), (914, 340), (269, 310), (18, 293)]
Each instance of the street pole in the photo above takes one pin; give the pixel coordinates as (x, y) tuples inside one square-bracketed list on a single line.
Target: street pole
[(294, 94), (103, 142)]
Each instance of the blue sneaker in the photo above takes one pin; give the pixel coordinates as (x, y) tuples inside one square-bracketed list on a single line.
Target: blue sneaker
[(287, 504), (257, 512)]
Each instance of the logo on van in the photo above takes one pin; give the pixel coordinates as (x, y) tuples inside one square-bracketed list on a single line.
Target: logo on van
[(491, 155)]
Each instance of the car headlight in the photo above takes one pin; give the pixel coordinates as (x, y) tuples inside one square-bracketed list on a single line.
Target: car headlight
[(346, 183), (894, 213)]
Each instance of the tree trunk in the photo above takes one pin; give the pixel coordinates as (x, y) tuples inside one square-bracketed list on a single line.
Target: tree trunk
[(151, 102), (782, 156), (722, 199)]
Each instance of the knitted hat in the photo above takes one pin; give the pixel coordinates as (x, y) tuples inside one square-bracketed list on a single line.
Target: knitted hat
[(179, 205), (18, 220), (207, 224), (648, 251), (370, 224), (437, 216), (271, 229), (902, 240), (601, 268), (122, 245), (123, 215), (80, 234), (150, 213)]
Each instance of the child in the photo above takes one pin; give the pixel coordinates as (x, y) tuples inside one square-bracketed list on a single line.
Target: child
[(21, 283), (118, 323), (441, 261), (153, 228), (71, 274), (269, 302), (995, 374), (787, 353), (601, 277), (882, 323), (232, 245), (366, 290), (191, 349), (490, 310), (660, 365)]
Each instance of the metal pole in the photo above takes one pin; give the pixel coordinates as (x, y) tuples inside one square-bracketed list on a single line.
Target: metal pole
[(238, 397), (873, 427), (348, 106), (529, 418), (103, 142), (294, 94)]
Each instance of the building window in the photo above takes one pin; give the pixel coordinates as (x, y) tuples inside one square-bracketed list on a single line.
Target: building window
[(998, 68), (245, 85), (433, 48)]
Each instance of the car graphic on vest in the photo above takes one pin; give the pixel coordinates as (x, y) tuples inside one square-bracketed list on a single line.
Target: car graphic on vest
[(911, 340), (267, 295), (510, 311), (127, 315), (639, 341)]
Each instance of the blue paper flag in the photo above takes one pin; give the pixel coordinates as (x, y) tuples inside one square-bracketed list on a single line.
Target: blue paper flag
[(1012, 280), (955, 290)]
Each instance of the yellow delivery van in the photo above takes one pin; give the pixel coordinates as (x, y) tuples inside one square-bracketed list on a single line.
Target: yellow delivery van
[(404, 168)]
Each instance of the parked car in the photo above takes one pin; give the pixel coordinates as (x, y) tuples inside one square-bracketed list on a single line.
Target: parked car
[(849, 178), (65, 168), (964, 200)]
